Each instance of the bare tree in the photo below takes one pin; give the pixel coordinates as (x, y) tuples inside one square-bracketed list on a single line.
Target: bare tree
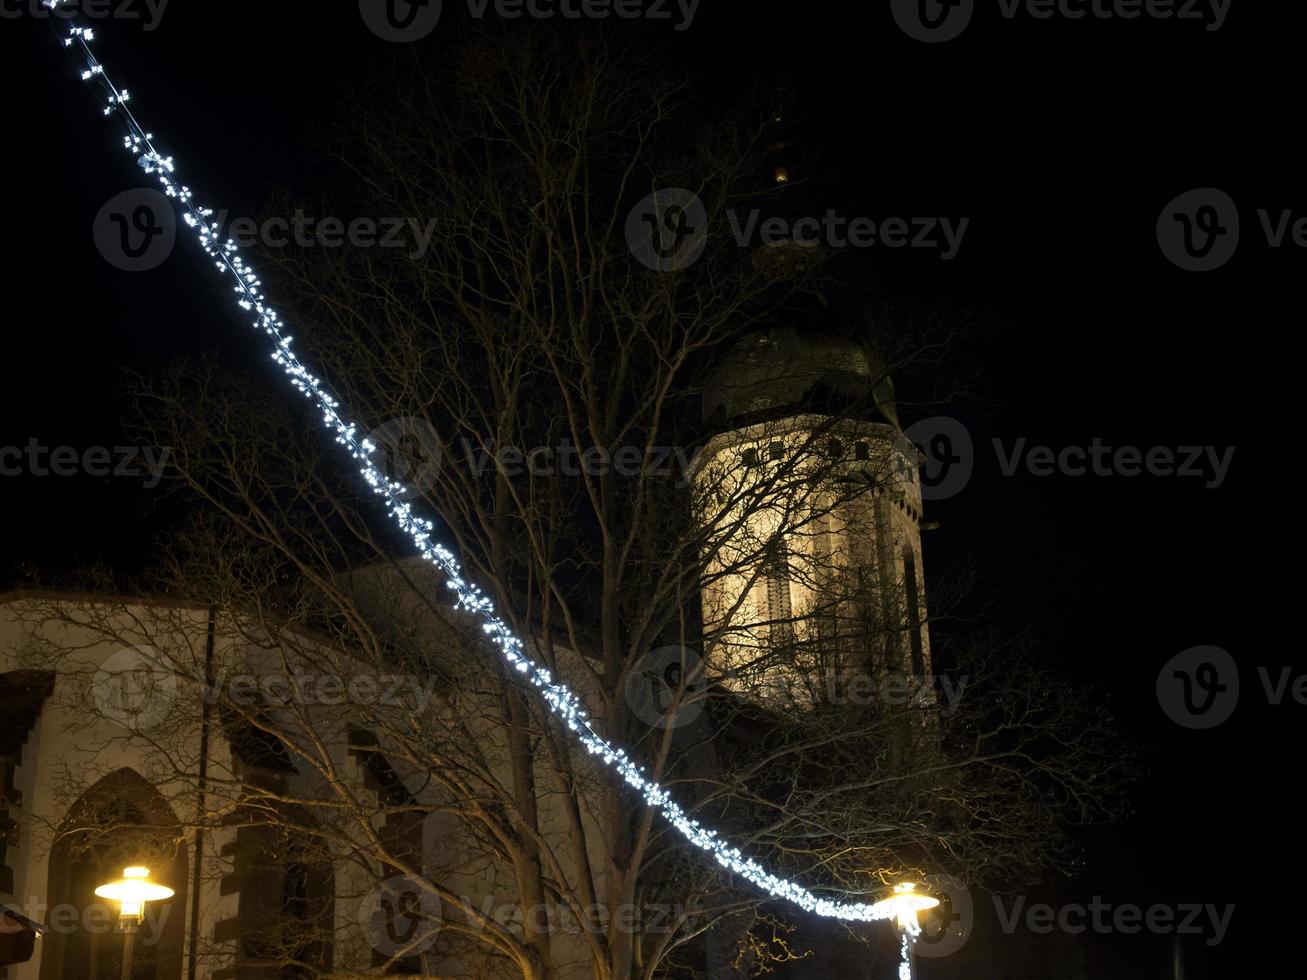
[(543, 373)]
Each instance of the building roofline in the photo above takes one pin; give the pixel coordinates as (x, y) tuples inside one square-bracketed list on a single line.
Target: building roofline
[(12, 596)]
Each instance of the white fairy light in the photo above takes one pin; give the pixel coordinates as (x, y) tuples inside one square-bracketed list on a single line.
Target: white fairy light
[(562, 701)]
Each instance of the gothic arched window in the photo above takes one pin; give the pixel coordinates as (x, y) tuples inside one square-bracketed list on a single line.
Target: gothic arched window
[(120, 821)]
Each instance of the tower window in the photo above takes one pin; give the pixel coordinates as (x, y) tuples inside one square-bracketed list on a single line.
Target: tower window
[(835, 449), (862, 451), (913, 599), (750, 457), (777, 450), (776, 571)]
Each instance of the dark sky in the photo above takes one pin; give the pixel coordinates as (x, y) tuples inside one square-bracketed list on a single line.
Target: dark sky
[(1062, 140)]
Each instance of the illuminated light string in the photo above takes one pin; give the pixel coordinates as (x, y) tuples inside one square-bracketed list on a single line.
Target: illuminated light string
[(561, 699)]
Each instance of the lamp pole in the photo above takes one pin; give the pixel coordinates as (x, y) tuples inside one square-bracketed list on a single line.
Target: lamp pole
[(130, 927), (902, 905), (907, 962), (131, 892)]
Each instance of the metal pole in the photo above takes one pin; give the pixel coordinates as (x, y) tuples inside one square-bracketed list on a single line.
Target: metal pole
[(193, 941), (129, 942), (907, 957)]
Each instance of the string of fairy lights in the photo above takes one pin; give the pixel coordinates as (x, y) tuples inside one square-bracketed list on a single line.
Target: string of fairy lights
[(562, 700)]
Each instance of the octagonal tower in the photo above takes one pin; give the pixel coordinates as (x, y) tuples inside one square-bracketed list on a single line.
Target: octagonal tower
[(810, 498)]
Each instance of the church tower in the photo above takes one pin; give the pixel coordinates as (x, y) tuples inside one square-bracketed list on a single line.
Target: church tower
[(810, 502)]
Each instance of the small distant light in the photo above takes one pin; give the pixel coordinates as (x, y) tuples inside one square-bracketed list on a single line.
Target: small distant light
[(782, 175)]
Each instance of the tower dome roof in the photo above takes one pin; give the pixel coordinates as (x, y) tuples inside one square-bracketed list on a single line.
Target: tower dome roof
[(777, 372)]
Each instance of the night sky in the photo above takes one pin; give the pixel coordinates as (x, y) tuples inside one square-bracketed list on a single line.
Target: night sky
[(1062, 141)]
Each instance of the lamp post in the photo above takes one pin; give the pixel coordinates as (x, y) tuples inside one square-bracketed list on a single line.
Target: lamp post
[(131, 892), (903, 904)]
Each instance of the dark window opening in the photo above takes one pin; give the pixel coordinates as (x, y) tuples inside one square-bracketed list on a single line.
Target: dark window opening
[(914, 613), (779, 609)]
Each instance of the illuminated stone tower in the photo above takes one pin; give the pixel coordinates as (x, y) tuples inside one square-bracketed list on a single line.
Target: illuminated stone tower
[(811, 498)]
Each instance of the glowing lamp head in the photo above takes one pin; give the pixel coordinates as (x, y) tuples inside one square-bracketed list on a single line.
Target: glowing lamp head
[(133, 890), (782, 175), (903, 904)]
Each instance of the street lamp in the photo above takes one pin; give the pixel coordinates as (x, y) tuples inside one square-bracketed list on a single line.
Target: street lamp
[(131, 892), (903, 904)]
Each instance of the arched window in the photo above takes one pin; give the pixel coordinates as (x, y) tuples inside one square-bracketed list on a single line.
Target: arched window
[(780, 612), (120, 821), (287, 894), (281, 869)]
